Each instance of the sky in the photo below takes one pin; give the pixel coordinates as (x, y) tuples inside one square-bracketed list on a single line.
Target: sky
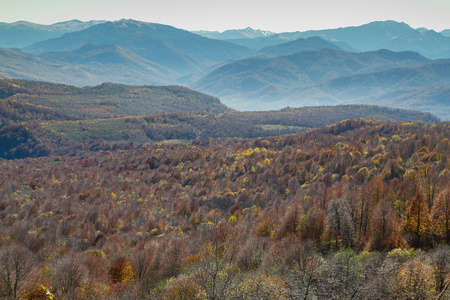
[(272, 15)]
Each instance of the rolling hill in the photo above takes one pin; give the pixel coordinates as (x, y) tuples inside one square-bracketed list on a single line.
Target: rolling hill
[(108, 99), (328, 77), (38, 118), (424, 88), (301, 44), (189, 126), (434, 99), (255, 77), (31, 130)]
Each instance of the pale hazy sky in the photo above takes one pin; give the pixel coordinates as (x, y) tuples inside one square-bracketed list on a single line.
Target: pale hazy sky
[(273, 15)]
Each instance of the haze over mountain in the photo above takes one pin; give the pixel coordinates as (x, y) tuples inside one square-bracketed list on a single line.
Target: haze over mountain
[(294, 68), (429, 98), (389, 35), (248, 33), (300, 69), (54, 114), (106, 54), (301, 44), (422, 87), (179, 50), (20, 34), (325, 77), (445, 32), (89, 65)]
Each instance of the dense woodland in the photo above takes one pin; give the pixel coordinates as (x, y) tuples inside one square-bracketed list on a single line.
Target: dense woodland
[(39, 118), (355, 210), (108, 99), (27, 130)]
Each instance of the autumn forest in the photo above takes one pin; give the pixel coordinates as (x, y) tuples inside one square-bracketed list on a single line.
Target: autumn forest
[(140, 160), (355, 210)]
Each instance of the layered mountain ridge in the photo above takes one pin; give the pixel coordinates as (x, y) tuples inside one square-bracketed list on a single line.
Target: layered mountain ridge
[(21, 34), (328, 77), (249, 69), (179, 50)]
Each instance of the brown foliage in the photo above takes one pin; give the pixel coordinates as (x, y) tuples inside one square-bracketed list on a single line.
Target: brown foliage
[(121, 270)]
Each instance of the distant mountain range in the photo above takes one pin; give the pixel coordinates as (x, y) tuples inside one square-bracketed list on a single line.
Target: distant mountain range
[(247, 33), (298, 45), (249, 69), (302, 68), (389, 35), (445, 32), (176, 49), (429, 98), (89, 65), (328, 77), (22, 33)]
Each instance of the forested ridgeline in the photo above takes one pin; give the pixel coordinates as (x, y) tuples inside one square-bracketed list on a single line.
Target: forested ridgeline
[(29, 129), (109, 99), (359, 209)]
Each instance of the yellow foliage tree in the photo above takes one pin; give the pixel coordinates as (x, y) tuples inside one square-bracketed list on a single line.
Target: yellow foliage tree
[(121, 270), (441, 215), (417, 221)]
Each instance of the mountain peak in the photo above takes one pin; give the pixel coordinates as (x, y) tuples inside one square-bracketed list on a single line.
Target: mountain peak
[(313, 43), (69, 21), (176, 49), (232, 34)]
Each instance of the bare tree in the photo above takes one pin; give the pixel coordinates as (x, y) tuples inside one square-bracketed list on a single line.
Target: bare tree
[(440, 261), (69, 275), (174, 256), (339, 222), (142, 264), (16, 263), (341, 277), (211, 267), (414, 280), (303, 272)]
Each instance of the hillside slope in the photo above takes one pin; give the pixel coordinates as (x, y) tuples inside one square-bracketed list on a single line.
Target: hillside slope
[(20, 34), (39, 118), (179, 50), (272, 79), (434, 99), (89, 65), (312, 43), (109, 99), (190, 126)]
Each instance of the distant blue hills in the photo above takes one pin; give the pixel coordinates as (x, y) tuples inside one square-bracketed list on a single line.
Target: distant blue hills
[(21, 34), (391, 35), (387, 62)]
